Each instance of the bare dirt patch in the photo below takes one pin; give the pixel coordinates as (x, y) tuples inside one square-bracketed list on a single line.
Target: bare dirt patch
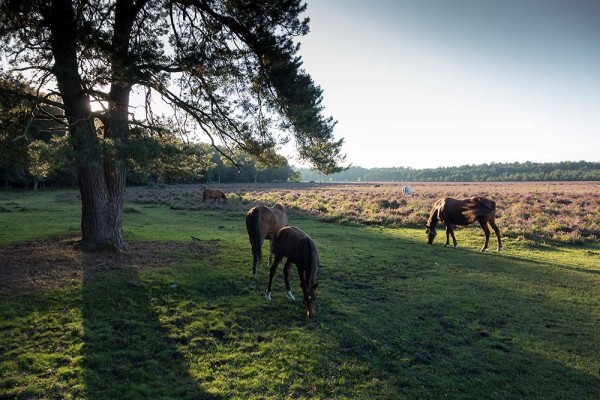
[(51, 264)]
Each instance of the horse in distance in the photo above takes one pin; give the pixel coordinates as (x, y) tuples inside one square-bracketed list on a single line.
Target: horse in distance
[(215, 195), (299, 249), (407, 190), (463, 212), (263, 223)]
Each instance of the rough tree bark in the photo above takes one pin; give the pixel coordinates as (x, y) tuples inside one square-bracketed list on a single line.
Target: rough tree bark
[(101, 180)]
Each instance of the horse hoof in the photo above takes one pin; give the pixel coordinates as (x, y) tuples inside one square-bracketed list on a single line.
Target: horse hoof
[(456, 247), (484, 249), (290, 295), (446, 245), (268, 296), (499, 248)]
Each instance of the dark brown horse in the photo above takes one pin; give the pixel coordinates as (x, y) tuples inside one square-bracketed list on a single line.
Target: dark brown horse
[(463, 212), (299, 249), (263, 223), (214, 195)]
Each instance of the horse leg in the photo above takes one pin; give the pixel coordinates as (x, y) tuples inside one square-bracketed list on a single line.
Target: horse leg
[(486, 230), (286, 278), (272, 274), (450, 232), (270, 254), (497, 232), (453, 238), (256, 256), (255, 261)]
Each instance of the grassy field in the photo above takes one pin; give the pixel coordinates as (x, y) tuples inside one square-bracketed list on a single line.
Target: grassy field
[(175, 317), (567, 212)]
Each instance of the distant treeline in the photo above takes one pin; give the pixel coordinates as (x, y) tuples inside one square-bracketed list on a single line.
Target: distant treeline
[(494, 172)]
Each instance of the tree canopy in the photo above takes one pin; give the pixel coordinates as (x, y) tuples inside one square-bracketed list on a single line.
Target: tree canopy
[(229, 69)]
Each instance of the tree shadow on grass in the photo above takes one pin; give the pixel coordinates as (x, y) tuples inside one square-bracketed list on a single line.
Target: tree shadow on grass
[(403, 327), (128, 353)]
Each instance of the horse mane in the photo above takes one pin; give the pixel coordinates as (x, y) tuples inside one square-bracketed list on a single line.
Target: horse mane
[(314, 263), (434, 214)]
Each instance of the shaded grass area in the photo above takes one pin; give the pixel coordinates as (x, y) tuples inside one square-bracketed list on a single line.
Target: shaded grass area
[(175, 317), (128, 353)]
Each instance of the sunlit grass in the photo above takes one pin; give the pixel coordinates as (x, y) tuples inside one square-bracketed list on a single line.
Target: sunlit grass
[(38, 215), (176, 317)]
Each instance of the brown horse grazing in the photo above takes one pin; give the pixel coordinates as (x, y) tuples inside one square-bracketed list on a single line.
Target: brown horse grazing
[(214, 195), (299, 249), (263, 223), (463, 212)]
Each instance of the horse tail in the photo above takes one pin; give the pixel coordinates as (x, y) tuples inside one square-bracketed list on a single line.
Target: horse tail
[(253, 227), (307, 257), (485, 207), (492, 208)]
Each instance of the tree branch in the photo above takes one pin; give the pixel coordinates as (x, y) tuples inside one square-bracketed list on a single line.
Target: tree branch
[(31, 97)]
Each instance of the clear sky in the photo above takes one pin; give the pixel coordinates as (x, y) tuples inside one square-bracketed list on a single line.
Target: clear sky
[(428, 83)]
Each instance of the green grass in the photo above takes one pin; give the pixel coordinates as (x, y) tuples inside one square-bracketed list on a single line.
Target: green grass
[(28, 215), (396, 318)]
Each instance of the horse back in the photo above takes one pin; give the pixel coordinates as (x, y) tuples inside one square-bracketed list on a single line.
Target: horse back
[(465, 211), (267, 221), (282, 218), (213, 194), (298, 247), (455, 212), (288, 243), (273, 219)]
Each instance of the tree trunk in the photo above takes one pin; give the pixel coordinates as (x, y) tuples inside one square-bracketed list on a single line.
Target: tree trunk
[(101, 184), (101, 215)]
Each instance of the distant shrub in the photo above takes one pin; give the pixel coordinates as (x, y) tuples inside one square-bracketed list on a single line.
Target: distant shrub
[(394, 205)]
